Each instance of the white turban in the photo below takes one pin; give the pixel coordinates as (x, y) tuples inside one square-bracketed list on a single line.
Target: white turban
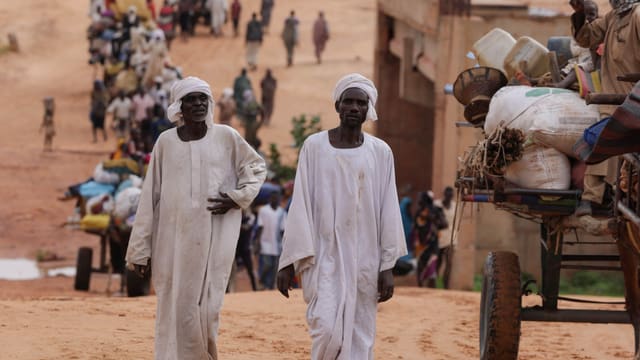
[(358, 81), (183, 87)]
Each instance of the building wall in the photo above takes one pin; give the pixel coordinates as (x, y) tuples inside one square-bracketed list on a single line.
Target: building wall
[(407, 126)]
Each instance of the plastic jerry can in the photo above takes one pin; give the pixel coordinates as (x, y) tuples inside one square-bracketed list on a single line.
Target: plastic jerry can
[(493, 47), (529, 50)]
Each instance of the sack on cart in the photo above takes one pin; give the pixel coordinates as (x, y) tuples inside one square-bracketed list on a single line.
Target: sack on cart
[(540, 168), (552, 117)]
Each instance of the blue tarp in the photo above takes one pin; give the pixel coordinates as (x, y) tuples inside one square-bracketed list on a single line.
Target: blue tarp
[(93, 188)]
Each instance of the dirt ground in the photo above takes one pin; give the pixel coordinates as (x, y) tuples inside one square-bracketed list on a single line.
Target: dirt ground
[(46, 319)]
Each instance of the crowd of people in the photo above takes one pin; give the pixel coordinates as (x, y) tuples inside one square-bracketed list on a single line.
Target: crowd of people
[(131, 49)]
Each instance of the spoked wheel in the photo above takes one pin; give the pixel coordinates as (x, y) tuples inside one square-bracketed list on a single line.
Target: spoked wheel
[(500, 307)]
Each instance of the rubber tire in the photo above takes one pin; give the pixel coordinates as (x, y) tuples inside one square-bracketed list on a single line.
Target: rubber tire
[(83, 269), (137, 286), (500, 307)]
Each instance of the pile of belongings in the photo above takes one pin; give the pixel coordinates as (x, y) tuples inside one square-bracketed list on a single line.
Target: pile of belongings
[(110, 196), (551, 121)]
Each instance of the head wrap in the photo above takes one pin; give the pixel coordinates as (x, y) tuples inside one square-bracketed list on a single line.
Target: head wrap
[(227, 92), (183, 87), (358, 81), (622, 6)]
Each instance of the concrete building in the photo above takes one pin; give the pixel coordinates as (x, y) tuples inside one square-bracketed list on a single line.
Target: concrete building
[(421, 45)]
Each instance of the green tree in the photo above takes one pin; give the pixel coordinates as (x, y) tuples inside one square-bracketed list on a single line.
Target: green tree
[(303, 127)]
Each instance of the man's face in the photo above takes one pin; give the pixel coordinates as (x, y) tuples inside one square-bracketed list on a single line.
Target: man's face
[(195, 106), (352, 107)]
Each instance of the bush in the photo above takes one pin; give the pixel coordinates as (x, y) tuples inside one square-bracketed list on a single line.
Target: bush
[(580, 283), (593, 283), (302, 129)]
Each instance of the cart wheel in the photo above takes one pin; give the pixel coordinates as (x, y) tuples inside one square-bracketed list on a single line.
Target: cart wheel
[(500, 307), (83, 269), (137, 286)]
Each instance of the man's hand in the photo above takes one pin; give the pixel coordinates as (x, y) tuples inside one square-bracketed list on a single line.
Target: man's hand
[(141, 270), (385, 285), (222, 204), (284, 280)]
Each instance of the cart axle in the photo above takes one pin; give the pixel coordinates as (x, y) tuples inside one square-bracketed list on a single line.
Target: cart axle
[(576, 316)]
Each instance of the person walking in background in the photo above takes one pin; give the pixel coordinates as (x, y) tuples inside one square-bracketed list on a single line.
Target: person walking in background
[(344, 233), (99, 103), (167, 22), (121, 107), (236, 10), (241, 84), (218, 9), (253, 40), (429, 220), (142, 106), (243, 249), (188, 221), (268, 86), (266, 7), (227, 107), (271, 219), (446, 244), (252, 117), (47, 123), (160, 123), (320, 35), (290, 35), (407, 217), (186, 9)]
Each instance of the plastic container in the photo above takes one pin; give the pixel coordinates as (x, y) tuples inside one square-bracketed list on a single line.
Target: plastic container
[(562, 46), (493, 47), (529, 50)]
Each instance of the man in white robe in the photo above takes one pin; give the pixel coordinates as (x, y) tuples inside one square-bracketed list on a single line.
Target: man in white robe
[(218, 10), (188, 221), (344, 230)]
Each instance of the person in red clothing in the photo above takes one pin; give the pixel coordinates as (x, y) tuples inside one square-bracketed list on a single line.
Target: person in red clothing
[(167, 22), (236, 8), (152, 9)]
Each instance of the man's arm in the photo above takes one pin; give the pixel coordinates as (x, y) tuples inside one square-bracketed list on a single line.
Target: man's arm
[(251, 172), (392, 243), (298, 251), (284, 280), (385, 285)]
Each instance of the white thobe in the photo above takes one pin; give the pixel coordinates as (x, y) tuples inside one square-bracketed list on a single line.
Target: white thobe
[(218, 13), (343, 228), (191, 250)]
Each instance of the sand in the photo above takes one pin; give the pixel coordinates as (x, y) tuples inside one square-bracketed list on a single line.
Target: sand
[(46, 319)]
